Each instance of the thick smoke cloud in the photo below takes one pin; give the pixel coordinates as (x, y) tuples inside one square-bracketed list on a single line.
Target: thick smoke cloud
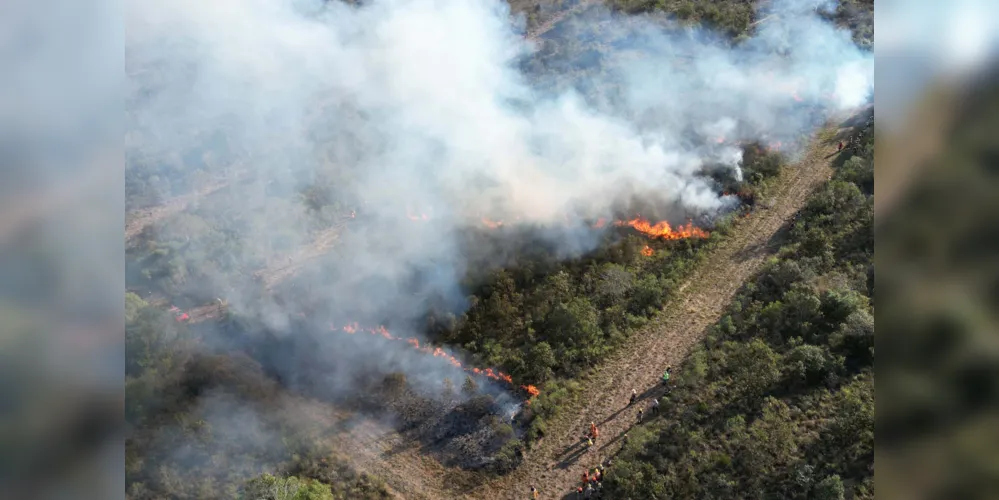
[(423, 105)]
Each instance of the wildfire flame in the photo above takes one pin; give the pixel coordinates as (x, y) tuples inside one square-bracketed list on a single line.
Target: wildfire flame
[(491, 224), (647, 251), (437, 352), (655, 230), (663, 230)]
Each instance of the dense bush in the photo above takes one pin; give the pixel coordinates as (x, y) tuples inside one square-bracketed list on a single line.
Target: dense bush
[(203, 424), (778, 402)]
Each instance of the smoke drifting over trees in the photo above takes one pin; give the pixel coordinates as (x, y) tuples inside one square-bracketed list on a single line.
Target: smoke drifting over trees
[(377, 135), (397, 106)]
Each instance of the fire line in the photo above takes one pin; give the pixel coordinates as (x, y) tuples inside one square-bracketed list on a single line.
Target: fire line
[(437, 352)]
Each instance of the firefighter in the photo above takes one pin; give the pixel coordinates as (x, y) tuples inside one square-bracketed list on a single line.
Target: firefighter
[(586, 477), (634, 396), (588, 493), (655, 406), (579, 493), (624, 440), (594, 433), (840, 146), (666, 374), (534, 492), (640, 415)]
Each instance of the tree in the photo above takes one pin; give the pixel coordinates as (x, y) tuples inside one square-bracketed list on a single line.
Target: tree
[(469, 386), (133, 304), (635, 481), (613, 284), (859, 171), (838, 305), (807, 365), (540, 361), (830, 488), (646, 295), (772, 440), (268, 487), (575, 325), (754, 367), (556, 289), (855, 338)]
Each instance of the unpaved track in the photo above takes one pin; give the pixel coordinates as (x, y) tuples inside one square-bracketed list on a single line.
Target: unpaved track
[(535, 34), (667, 340), (137, 220), (378, 450)]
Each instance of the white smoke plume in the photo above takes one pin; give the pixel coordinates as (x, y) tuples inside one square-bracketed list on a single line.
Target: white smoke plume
[(427, 106), (447, 116)]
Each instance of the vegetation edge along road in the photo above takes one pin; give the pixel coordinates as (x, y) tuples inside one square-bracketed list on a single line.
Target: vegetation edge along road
[(667, 340), (637, 365)]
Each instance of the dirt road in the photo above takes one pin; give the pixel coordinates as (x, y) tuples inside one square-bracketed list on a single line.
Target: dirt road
[(376, 448), (551, 466), (535, 34), (137, 220)]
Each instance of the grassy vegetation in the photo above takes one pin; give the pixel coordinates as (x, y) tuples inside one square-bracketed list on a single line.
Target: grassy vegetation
[(736, 18), (778, 402), (783, 360), (547, 322), (202, 424)]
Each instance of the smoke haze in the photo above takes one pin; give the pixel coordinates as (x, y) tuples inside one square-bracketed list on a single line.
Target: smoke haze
[(427, 107)]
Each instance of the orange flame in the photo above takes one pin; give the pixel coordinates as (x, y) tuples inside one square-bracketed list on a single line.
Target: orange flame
[(437, 352), (647, 251), (492, 224), (656, 230), (663, 230)]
